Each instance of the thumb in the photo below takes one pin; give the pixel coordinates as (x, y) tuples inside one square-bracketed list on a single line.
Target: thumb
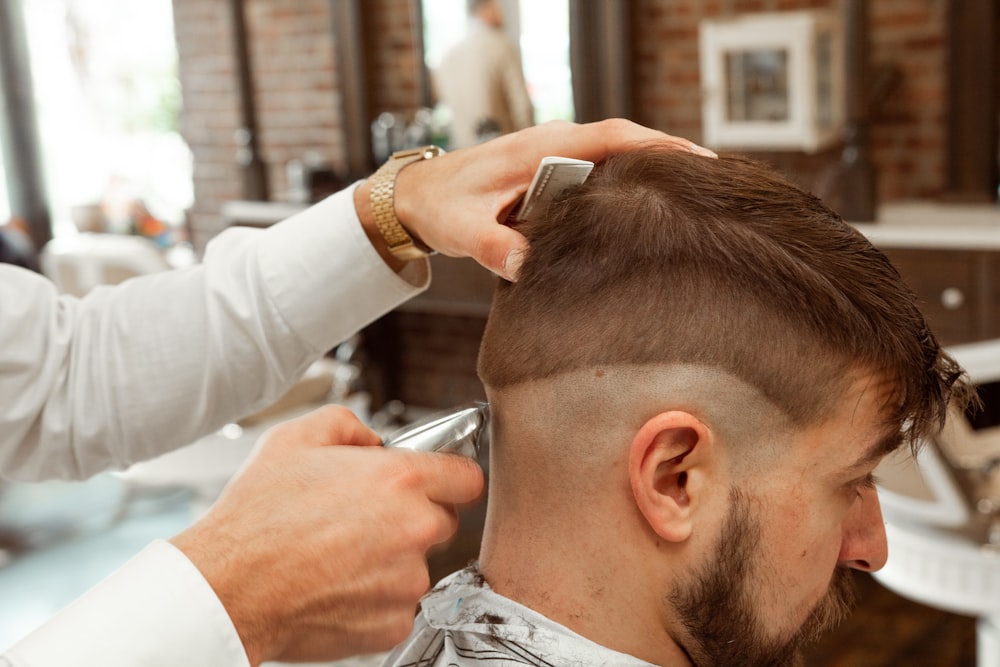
[(451, 479), (501, 250)]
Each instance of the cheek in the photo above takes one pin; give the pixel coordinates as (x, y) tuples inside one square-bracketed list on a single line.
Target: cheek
[(800, 529), (810, 524), (801, 555)]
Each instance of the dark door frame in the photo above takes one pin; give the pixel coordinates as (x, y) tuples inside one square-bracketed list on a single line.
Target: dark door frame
[(971, 146)]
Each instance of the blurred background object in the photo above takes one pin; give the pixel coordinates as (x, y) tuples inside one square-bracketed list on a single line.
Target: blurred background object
[(17, 247), (481, 81)]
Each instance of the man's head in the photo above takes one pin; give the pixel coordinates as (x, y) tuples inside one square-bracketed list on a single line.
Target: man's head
[(697, 370), (489, 12)]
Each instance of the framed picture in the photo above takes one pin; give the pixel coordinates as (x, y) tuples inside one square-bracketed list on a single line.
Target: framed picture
[(772, 81)]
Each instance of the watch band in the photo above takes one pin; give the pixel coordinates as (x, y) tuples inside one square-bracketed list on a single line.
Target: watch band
[(383, 186)]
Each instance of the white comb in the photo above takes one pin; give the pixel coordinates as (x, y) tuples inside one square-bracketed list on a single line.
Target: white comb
[(554, 176)]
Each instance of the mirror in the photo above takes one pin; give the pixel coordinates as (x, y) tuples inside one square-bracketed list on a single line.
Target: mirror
[(540, 29)]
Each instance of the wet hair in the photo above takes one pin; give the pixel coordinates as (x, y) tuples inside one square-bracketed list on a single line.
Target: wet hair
[(666, 257)]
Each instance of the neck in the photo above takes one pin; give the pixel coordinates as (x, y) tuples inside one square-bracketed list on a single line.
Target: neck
[(533, 555)]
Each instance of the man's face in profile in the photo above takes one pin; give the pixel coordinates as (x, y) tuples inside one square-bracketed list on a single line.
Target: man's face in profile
[(720, 610), (778, 576)]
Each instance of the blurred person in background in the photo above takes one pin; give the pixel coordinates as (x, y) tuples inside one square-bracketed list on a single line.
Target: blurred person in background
[(481, 81), (16, 246)]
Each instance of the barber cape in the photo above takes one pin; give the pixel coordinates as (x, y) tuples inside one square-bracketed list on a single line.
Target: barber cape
[(463, 622)]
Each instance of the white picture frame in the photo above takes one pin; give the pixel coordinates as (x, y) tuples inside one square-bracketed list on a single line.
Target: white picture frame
[(773, 81)]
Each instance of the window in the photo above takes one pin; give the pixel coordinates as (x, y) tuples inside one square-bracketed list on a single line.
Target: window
[(108, 103), (544, 42), (545, 49)]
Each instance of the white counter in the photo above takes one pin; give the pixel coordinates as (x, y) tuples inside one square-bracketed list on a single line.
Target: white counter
[(935, 225)]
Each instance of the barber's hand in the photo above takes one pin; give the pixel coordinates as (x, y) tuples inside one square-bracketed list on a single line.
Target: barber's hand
[(318, 551), (453, 202)]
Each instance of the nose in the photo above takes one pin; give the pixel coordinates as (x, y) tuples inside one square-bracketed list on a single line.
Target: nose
[(863, 546)]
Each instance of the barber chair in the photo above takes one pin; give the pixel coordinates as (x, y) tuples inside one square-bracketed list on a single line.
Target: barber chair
[(942, 511)]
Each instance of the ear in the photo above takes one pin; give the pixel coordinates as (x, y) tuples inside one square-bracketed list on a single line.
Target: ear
[(668, 465)]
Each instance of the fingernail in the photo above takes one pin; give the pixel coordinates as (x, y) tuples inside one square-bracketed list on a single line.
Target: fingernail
[(512, 264), (701, 150)]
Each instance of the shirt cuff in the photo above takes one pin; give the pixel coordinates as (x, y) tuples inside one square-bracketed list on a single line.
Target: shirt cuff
[(157, 610), (320, 260)]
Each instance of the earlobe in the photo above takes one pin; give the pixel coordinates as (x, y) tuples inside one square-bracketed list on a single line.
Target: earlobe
[(665, 469)]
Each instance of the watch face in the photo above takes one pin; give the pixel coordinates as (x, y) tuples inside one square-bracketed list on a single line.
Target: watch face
[(432, 151)]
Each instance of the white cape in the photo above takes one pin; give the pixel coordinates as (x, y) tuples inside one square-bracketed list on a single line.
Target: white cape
[(463, 622)]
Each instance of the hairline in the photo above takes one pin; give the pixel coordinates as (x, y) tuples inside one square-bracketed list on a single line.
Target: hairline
[(733, 408)]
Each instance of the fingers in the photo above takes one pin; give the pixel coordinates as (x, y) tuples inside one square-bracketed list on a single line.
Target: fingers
[(332, 425), (596, 141), (623, 134)]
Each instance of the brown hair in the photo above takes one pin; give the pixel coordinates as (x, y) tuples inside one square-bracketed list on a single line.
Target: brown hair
[(667, 257)]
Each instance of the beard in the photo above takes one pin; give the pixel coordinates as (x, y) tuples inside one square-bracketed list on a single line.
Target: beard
[(717, 609)]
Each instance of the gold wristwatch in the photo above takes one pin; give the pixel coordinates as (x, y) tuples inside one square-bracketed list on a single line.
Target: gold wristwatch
[(383, 185)]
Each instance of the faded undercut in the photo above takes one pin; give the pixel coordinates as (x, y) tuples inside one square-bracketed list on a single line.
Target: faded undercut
[(666, 257)]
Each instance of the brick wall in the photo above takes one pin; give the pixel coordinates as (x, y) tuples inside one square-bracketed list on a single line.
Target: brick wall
[(907, 131), (295, 85), (210, 112), (394, 61), (298, 101), (293, 55)]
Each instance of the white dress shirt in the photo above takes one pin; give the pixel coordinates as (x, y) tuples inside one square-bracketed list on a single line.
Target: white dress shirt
[(130, 372)]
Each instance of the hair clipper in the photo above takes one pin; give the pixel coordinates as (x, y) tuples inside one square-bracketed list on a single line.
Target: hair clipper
[(459, 431)]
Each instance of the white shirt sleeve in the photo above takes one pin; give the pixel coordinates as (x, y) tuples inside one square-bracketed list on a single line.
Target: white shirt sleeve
[(135, 370), (132, 371), (156, 611)]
